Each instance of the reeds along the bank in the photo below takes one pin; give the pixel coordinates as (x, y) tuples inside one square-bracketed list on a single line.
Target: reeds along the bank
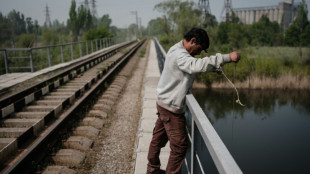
[(284, 81)]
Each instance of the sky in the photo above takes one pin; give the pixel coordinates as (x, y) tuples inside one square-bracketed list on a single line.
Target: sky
[(120, 11)]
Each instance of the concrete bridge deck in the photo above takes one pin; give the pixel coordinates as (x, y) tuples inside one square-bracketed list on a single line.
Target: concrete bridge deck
[(149, 117)]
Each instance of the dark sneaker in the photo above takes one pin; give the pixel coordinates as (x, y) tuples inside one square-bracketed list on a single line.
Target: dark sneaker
[(162, 171)]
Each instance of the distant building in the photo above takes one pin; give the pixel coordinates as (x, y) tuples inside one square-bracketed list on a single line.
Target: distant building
[(284, 13)]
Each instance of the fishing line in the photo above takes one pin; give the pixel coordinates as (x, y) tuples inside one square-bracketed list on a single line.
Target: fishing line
[(238, 100)]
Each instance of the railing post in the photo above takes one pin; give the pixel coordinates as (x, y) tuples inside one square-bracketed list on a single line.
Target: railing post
[(62, 54), (71, 51), (86, 48), (100, 43), (193, 144), (49, 57), (80, 45), (31, 62), (96, 45), (6, 62), (92, 47)]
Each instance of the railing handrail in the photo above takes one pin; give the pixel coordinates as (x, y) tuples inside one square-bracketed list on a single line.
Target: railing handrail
[(222, 158), (103, 42), (48, 46)]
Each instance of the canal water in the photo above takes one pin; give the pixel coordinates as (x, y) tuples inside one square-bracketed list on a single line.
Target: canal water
[(271, 134)]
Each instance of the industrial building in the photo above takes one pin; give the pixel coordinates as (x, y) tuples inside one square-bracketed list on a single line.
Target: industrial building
[(284, 13)]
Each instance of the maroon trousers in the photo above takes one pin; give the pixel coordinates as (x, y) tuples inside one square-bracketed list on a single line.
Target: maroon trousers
[(169, 126)]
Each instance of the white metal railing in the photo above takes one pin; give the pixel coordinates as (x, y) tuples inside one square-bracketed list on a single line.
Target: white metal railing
[(202, 135), (24, 59)]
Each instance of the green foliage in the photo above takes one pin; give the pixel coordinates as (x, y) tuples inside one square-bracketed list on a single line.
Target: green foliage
[(49, 37), (5, 29), (17, 21), (154, 27), (209, 21), (263, 62), (97, 34), (305, 37), (292, 35), (104, 21), (179, 16), (79, 20), (298, 33), (264, 32), (26, 40)]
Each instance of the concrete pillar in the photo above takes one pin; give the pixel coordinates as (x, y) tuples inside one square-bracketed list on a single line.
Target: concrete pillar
[(243, 16), (257, 15), (239, 14), (270, 14), (252, 13), (249, 16), (276, 15)]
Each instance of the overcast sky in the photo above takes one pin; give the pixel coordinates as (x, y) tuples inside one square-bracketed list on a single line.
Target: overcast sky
[(118, 10)]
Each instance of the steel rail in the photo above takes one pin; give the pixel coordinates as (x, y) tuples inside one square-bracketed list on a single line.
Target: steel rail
[(14, 98), (41, 146)]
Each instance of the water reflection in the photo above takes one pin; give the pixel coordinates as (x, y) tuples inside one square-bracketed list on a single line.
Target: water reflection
[(261, 102), (269, 135)]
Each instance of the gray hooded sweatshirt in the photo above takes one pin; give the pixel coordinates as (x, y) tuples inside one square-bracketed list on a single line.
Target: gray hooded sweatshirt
[(179, 73)]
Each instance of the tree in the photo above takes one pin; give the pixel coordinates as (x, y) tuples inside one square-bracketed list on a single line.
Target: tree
[(302, 17), (97, 33), (298, 32), (89, 20), (49, 37), (222, 33), (154, 27), (5, 29), (209, 21), (29, 25), (180, 16), (26, 40), (305, 37), (104, 21), (18, 25), (264, 32), (79, 20)]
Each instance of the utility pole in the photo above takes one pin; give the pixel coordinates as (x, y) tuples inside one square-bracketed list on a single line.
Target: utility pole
[(47, 22), (137, 21), (228, 11)]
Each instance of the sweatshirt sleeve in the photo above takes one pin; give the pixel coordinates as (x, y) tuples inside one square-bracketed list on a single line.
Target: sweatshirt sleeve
[(193, 65)]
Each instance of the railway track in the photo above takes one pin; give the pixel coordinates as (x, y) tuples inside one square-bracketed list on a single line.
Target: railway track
[(33, 120)]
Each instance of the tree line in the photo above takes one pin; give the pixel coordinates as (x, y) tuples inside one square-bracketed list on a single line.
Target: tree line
[(269, 51), (179, 16), (16, 30)]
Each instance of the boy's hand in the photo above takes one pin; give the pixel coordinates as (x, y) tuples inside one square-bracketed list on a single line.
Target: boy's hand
[(234, 56)]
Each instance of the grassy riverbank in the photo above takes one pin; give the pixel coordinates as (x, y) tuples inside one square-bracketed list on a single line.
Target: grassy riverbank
[(264, 67)]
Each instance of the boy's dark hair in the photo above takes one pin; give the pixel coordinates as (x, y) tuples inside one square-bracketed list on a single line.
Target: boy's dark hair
[(201, 36)]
